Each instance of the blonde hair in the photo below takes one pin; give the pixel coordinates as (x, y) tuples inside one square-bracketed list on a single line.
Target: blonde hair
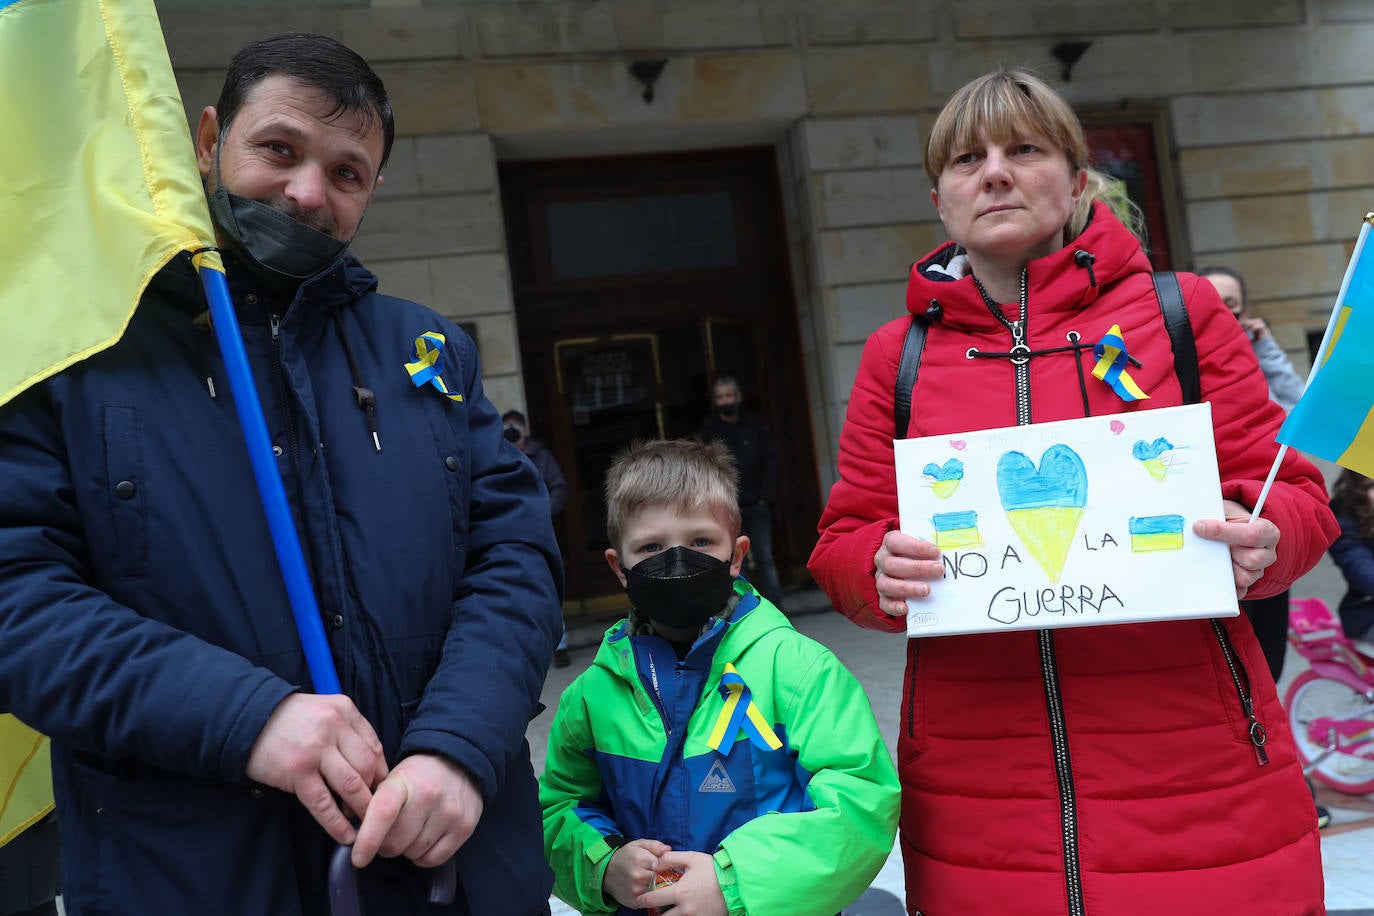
[(684, 474), (1005, 103)]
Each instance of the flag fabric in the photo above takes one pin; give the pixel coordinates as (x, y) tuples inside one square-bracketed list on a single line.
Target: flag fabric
[(98, 185), (98, 190), (1335, 417)]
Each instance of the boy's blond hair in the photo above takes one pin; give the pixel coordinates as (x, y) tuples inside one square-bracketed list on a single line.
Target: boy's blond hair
[(682, 473)]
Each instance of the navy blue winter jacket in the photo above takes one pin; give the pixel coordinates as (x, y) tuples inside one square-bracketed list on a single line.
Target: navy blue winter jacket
[(145, 627)]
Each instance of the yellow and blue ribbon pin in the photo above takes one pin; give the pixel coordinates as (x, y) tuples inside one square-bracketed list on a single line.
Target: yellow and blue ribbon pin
[(428, 365), (740, 711), (1112, 360)]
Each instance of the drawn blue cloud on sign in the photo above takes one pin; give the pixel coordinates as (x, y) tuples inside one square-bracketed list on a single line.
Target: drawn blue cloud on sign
[(1061, 480)]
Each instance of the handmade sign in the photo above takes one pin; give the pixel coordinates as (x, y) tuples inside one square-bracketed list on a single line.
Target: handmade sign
[(1073, 523)]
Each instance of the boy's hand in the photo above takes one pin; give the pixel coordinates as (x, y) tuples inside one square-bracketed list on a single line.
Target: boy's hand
[(697, 892), (631, 870)]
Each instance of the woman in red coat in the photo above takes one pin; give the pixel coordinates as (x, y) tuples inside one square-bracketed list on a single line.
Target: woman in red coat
[(1090, 770)]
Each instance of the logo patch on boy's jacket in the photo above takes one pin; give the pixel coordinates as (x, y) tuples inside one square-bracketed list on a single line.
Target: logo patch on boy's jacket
[(428, 364), (717, 780)]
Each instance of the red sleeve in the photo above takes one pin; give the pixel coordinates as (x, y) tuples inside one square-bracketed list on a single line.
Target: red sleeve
[(863, 503), (1245, 422)]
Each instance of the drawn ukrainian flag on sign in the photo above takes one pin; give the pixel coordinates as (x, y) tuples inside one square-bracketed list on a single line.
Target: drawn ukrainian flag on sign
[(1335, 417)]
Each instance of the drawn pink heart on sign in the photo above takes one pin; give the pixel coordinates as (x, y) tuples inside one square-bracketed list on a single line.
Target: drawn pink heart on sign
[(1117, 427), (958, 444)]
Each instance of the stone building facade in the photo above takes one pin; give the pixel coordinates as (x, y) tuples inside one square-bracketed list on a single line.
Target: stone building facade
[(1262, 113)]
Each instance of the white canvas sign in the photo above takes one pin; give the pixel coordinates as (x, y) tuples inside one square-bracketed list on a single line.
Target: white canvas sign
[(1072, 523)]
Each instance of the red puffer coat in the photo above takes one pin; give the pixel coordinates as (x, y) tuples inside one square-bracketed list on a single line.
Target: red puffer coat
[(1097, 770)]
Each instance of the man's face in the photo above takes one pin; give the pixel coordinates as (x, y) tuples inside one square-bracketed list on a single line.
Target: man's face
[(1229, 291), (724, 395), (284, 149)]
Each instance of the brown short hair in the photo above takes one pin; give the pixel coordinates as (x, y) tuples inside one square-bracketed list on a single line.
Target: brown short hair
[(682, 473)]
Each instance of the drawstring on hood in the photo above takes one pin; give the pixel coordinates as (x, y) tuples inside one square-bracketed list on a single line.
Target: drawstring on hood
[(366, 398), (1086, 259)]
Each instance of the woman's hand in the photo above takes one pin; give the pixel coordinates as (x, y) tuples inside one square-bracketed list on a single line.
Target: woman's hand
[(903, 568), (1252, 543)]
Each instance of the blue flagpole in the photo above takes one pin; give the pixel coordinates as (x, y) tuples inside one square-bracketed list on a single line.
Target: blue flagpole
[(273, 495)]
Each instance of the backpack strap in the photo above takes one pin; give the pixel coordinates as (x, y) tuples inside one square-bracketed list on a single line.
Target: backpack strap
[(907, 367), (1175, 313)]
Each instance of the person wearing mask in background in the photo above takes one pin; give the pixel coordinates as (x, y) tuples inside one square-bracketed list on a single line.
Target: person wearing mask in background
[(145, 623), (756, 457), (517, 432), (1100, 769)]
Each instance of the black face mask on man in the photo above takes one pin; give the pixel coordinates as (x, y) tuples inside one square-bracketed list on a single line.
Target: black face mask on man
[(282, 251), (729, 410), (513, 434), (680, 587)]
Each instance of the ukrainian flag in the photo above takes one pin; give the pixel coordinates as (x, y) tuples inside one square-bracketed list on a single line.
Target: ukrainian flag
[(99, 187), (98, 190), (956, 529), (1150, 533), (1335, 417)]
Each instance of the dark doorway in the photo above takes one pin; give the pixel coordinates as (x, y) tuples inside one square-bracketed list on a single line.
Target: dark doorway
[(637, 280)]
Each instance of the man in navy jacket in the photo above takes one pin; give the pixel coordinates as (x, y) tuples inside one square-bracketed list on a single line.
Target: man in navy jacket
[(143, 619)]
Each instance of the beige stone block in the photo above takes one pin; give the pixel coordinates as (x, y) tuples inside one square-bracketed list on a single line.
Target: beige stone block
[(845, 360), (744, 87), (1270, 116), (976, 19), (700, 25), (861, 310), (401, 175), (1345, 11), (872, 197), (199, 89), (870, 255), (455, 163), (1281, 58), (826, 22), (856, 143), (1277, 167), (531, 29), (498, 344), (430, 226), (869, 79), (208, 38), (406, 278), (506, 391), (431, 97), (524, 97), (1234, 14), (411, 32), (1281, 219), (477, 284), (1303, 270)]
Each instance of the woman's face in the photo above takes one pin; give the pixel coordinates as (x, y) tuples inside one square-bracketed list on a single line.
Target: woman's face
[(1008, 200)]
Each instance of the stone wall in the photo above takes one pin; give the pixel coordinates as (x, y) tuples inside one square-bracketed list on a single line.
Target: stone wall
[(1268, 105)]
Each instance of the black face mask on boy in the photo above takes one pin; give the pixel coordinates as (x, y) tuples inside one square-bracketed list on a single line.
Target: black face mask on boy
[(680, 587)]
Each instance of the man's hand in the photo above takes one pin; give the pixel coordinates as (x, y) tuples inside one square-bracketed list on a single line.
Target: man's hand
[(1252, 543), (697, 892), (903, 567), (631, 870), (425, 810), (316, 745)]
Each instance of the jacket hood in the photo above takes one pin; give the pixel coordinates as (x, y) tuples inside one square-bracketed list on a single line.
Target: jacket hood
[(1067, 280), (753, 617), (343, 282)]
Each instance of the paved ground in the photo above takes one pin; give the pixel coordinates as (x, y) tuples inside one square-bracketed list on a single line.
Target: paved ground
[(878, 660)]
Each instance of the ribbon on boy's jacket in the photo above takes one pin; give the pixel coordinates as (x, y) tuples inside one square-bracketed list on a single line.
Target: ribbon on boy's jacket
[(1112, 360), (740, 711), (425, 369)]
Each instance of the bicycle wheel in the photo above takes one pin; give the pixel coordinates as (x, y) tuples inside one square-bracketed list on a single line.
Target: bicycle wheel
[(1310, 697)]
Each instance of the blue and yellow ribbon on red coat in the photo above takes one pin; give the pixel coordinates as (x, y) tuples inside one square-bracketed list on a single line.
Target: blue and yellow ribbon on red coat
[(1112, 362), (428, 366), (740, 711)]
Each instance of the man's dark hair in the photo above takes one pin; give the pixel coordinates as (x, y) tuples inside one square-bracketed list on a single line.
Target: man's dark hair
[(319, 62), (727, 380), (515, 415), (1217, 270)]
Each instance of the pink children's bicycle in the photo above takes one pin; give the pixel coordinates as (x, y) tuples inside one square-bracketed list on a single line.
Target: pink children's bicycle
[(1331, 705)]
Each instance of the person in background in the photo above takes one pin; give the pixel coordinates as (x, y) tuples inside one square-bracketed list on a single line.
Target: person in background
[(1099, 769), (708, 738), (145, 622), (756, 457), (517, 432), (1353, 502)]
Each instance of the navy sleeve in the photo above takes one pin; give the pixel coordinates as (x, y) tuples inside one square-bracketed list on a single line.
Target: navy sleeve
[(1355, 557)]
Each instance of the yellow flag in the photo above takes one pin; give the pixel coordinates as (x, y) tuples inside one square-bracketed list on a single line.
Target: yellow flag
[(98, 184), (25, 778)]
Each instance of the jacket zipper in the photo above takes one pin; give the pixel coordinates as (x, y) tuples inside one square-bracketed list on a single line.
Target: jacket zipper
[(1241, 678), (279, 373), (1049, 668), (911, 689)]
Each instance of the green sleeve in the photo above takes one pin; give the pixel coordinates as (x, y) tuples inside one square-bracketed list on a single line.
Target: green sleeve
[(819, 861), (576, 850)]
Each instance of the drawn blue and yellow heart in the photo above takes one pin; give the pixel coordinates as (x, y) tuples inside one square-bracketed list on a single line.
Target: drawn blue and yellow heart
[(946, 477), (1044, 504), (1157, 456)]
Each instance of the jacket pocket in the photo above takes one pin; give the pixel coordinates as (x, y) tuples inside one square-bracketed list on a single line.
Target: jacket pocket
[(126, 483), (1237, 694)]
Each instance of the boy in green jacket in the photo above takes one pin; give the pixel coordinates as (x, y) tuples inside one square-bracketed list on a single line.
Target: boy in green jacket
[(708, 738)]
